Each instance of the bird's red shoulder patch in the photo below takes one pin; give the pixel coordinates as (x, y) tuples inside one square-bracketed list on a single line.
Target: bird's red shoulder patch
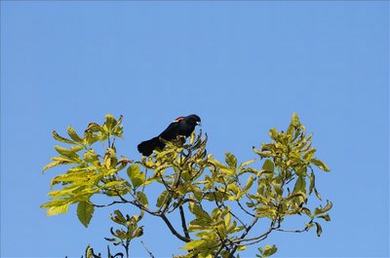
[(178, 119)]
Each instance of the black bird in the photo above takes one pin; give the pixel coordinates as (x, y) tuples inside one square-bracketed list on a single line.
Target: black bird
[(183, 126)]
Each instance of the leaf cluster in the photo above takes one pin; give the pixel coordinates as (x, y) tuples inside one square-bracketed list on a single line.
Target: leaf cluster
[(220, 203)]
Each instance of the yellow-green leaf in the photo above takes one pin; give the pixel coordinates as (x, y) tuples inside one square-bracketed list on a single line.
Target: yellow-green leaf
[(319, 229), (300, 185), (162, 198), (295, 120), (320, 164), (269, 250), (231, 160), (73, 135), (247, 163), (321, 210), (84, 212), (227, 219), (198, 211), (326, 217), (268, 166), (141, 196), (194, 244), (55, 210), (312, 179), (273, 133), (249, 183), (59, 138), (136, 176), (52, 164)]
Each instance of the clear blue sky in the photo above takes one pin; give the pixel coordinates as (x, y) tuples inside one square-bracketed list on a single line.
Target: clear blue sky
[(244, 67)]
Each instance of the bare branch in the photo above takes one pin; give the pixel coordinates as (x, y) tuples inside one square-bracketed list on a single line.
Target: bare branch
[(147, 250), (243, 235), (107, 205), (183, 222), (173, 230), (244, 210)]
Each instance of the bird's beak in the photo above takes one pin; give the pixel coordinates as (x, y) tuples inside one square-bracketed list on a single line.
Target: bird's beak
[(198, 123)]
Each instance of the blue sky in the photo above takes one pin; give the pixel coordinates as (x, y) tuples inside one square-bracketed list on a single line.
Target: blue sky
[(244, 67)]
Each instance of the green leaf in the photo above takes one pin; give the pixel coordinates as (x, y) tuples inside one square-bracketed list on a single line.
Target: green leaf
[(227, 219), (94, 127), (73, 135), (273, 133), (112, 126), (300, 185), (312, 179), (84, 212), (198, 193), (64, 160), (162, 198), (246, 163), (317, 194), (306, 211), (249, 183), (198, 211), (141, 196), (295, 120), (269, 250), (52, 164), (321, 210), (268, 166), (63, 151), (231, 160), (194, 244), (69, 153), (136, 176), (192, 138), (91, 156), (55, 210), (319, 229), (325, 217), (320, 164), (118, 217), (59, 138)]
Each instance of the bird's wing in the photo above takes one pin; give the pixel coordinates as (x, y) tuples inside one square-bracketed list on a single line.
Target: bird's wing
[(170, 132)]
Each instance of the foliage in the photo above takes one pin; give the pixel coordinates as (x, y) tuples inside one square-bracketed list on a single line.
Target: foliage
[(220, 203)]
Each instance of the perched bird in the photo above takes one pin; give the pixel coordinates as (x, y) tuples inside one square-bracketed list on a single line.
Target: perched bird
[(182, 126)]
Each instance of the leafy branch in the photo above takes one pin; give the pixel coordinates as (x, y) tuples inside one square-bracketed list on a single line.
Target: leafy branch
[(213, 199)]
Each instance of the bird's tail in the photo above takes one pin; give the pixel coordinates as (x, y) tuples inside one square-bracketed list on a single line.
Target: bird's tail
[(147, 147)]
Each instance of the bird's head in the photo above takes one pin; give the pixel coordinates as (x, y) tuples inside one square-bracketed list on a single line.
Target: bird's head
[(194, 119), (191, 119)]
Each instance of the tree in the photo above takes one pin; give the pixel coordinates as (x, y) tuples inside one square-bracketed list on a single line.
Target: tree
[(219, 203)]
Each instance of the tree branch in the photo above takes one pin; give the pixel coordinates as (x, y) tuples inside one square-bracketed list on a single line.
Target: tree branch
[(147, 250), (222, 204), (173, 230), (243, 235), (263, 236), (244, 210), (183, 222), (107, 205)]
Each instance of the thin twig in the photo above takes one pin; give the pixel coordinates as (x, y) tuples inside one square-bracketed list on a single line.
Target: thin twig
[(223, 241), (107, 205), (222, 205), (260, 237), (244, 210), (292, 231), (243, 235), (147, 250)]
